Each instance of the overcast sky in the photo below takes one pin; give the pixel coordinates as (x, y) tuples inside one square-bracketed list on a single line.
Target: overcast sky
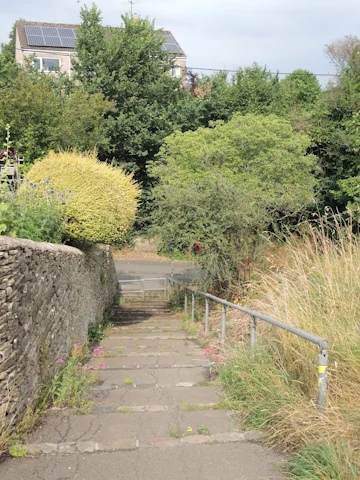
[(223, 34)]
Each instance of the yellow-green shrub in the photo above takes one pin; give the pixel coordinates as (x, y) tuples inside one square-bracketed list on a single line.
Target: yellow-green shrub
[(102, 200)]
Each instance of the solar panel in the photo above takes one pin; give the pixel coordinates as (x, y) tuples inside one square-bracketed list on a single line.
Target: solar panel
[(50, 36), (52, 41), (35, 40), (30, 30), (66, 33), (50, 31), (68, 42)]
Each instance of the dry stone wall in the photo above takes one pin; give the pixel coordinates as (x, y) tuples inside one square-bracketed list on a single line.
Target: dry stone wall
[(48, 296)]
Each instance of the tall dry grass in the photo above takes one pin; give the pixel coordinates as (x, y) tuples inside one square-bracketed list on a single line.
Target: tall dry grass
[(318, 290)]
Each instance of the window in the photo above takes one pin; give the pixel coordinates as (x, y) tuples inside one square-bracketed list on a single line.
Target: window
[(176, 71), (47, 64)]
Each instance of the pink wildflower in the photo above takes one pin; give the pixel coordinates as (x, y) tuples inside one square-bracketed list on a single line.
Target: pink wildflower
[(208, 351), (80, 364), (97, 351), (69, 389), (77, 346), (217, 358), (102, 365), (59, 360)]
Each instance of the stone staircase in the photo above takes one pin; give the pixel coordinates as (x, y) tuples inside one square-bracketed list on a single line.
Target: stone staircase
[(153, 416)]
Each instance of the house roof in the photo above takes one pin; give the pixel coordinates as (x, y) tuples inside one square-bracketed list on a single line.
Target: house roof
[(170, 40)]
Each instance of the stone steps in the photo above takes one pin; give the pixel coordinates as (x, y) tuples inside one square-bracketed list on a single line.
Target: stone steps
[(154, 416)]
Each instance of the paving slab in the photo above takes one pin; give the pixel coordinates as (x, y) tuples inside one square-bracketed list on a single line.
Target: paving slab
[(142, 426), (168, 396), (234, 461), (154, 376)]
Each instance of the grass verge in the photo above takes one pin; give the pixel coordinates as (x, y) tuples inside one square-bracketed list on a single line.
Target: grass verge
[(317, 290)]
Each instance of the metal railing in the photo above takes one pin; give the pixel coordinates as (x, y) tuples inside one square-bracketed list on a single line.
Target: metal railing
[(144, 288), (323, 343)]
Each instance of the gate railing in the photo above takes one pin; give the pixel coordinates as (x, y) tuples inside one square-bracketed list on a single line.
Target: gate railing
[(323, 343), (144, 287)]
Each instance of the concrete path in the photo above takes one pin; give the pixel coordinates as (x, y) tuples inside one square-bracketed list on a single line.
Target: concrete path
[(139, 428)]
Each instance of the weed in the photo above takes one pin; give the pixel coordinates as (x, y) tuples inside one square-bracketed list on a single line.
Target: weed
[(194, 407), (202, 430), (96, 332), (68, 387), (328, 461), (205, 383), (18, 451), (120, 352), (125, 410), (119, 300), (128, 381), (212, 441), (102, 277), (189, 327), (163, 344), (175, 431)]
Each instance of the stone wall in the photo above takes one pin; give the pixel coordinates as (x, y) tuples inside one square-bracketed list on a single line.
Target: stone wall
[(48, 296)]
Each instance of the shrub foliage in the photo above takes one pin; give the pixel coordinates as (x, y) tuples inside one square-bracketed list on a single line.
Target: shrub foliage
[(102, 199)]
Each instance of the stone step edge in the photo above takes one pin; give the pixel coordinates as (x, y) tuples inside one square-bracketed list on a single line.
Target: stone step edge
[(154, 367), (143, 386), (125, 409), (133, 354), (150, 337), (73, 448)]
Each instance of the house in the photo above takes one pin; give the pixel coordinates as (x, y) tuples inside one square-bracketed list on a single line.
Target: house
[(53, 45)]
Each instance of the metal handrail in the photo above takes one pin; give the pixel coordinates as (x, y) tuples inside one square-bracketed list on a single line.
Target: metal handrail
[(323, 343)]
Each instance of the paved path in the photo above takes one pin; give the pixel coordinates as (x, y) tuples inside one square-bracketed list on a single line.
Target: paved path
[(139, 428)]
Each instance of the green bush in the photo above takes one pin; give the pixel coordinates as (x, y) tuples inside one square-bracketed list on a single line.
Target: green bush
[(102, 199), (37, 213)]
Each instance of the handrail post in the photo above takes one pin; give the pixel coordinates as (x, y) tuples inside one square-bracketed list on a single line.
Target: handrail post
[(185, 302), (193, 307), (206, 316), (223, 326), (322, 380), (178, 294), (252, 334)]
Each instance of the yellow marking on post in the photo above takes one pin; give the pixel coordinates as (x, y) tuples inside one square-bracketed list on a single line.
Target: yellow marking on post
[(322, 369)]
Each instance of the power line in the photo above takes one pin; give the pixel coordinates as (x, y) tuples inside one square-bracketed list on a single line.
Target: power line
[(272, 73)]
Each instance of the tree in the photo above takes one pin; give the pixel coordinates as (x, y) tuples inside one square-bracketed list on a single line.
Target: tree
[(255, 90), (130, 68), (8, 66), (340, 52), (300, 89), (222, 186), (41, 118)]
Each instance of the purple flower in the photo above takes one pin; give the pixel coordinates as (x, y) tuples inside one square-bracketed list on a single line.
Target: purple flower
[(102, 365)]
